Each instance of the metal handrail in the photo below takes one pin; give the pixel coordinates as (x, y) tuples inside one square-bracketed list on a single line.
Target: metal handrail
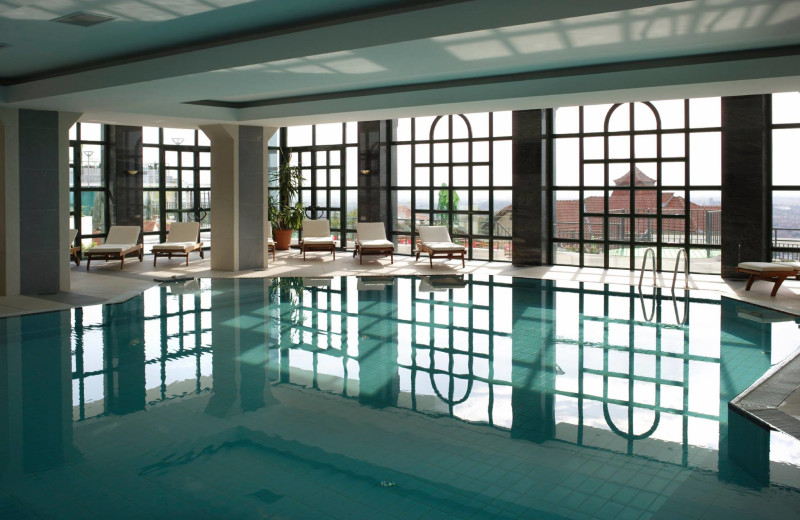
[(681, 251), (644, 261)]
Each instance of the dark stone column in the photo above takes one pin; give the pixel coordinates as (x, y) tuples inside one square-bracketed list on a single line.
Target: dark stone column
[(745, 187), (125, 156), (40, 253), (379, 383), (533, 373), (123, 337), (374, 156), (531, 219)]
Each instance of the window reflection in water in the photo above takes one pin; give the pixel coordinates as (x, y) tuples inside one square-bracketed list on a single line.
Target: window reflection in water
[(586, 364)]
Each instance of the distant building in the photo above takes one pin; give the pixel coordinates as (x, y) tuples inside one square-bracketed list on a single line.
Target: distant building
[(703, 220)]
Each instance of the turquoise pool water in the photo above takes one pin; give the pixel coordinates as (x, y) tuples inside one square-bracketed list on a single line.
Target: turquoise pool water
[(432, 397)]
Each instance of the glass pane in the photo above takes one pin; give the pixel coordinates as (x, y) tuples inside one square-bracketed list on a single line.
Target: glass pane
[(501, 124), (92, 212), (502, 251), (171, 158), (672, 230), (646, 229), (786, 157), (566, 219), (567, 120), (786, 108), (673, 145), (205, 200), (171, 202), (461, 224), (461, 176), (643, 117), (322, 198), (593, 255), (422, 128), (786, 219), (705, 223), (335, 198), (501, 171), (179, 137), (461, 152), (705, 112), (205, 179), (673, 173), (336, 177), (705, 163), (460, 128), (619, 147), (593, 175), (202, 139), (298, 135), (594, 148), (331, 133), (620, 119), (441, 129), (402, 204), (322, 178), (502, 219), (403, 129), (566, 162), (91, 132), (619, 228), (619, 256), (594, 117), (352, 208), (335, 157), (187, 159), (566, 253), (422, 199), (352, 132), (480, 176), (171, 178), (421, 219), (422, 176), (645, 146), (479, 124), (441, 153), (352, 166), (187, 178), (671, 113), (150, 211), (150, 135), (480, 224), (187, 199)]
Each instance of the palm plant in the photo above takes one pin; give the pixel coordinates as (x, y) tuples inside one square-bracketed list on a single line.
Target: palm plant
[(283, 213)]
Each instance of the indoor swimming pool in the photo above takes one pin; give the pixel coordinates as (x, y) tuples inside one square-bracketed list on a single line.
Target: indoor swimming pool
[(378, 397)]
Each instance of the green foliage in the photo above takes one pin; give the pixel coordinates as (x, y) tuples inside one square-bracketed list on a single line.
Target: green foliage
[(286, 181)]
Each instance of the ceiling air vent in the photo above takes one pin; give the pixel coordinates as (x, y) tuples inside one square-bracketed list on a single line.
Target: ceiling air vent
[(84, 19)]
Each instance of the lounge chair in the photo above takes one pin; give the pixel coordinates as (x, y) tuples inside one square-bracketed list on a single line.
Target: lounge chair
[(371, 240), (435, 240), (317, 237), (183, 238), (73, 249), (270, 242), (121, 241), (775, 272)]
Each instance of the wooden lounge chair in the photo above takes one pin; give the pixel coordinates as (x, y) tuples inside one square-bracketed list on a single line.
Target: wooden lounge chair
[(121, 241), (270, 242), (183, 238), (775, 272), (435, 240), (73, 249), (371, 240), (317, 237)]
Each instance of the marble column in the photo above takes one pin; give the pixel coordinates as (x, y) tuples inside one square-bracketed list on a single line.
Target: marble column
[(239, 204), (531, 219), (34, 184), (745, 186)]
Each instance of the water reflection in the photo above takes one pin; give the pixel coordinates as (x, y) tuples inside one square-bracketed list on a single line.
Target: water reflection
[(590, 365)]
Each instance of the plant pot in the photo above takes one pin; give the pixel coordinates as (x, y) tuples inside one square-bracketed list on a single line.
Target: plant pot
[(283, 237)]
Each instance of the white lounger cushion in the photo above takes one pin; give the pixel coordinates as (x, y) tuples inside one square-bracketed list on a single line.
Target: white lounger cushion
[(317, 228), (181, 232), (111, 248), (375, 244), (176, 246), (438, 239), (317, 241), (768, 267)]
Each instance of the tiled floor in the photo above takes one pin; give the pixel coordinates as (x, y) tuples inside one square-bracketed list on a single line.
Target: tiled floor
[(107, 283)]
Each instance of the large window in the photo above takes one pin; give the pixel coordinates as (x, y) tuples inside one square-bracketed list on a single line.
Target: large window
[(785, 160), (88, 192), (454, 171), (633, 176), (327, 155), (177, 182)]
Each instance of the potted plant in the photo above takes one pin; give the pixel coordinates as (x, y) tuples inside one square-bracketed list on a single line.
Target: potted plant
[(286, 216)]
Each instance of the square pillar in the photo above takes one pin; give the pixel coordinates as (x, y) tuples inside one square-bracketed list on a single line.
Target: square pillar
[(239, 203), (531, 226), (745, 186), (35, 187)]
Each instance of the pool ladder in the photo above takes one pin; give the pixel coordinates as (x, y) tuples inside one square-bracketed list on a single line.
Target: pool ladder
[(681, 319)]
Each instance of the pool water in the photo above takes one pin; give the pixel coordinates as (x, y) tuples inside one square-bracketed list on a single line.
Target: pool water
[(429, 397)]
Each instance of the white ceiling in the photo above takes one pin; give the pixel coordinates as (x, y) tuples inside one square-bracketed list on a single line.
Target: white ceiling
[(278, 63)]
